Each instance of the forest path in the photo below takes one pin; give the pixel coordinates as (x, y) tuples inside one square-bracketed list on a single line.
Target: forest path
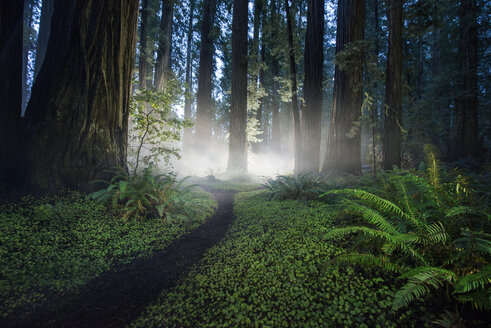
[(118, 297)]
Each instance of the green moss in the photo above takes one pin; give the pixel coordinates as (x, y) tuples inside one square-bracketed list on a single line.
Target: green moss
[(274, 269), (55, 244)]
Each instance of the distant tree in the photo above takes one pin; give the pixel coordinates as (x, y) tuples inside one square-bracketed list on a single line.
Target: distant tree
[(144, 57), (393, 88), (162, 65), (297, 135), (275, 98), (204, 102), (467, 138), (186, 138), (312, 89), (10, 87), (237, 160), (78, 112), (343, 148)]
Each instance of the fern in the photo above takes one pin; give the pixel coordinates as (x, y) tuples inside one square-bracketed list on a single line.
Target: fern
[(421, 281), (478, 280), (372, 199), (370, 260)]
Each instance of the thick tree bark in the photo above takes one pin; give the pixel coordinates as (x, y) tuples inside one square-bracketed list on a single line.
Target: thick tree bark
[(237, 160), (297, 136), (275, 97), (312, 89), (204, 102), (78, 113), (257, 51), (186, 138), (28, 15), (165, 42), (10, 89), (44, 31), (393, 88), (468, 142), (343, 149), (143, 61)]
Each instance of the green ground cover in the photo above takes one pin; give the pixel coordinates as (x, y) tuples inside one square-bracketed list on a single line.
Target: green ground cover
[(275, 269), (55, 244)]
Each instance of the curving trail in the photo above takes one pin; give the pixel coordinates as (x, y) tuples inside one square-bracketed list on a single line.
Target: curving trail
[(116, 298)]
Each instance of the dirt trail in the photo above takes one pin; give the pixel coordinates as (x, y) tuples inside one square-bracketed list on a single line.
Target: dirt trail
[(116, 298)]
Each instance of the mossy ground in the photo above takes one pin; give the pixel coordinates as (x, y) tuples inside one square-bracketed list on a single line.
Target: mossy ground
[(274, 269)]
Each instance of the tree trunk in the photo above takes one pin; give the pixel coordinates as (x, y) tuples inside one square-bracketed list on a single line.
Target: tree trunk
[(79, 107), (28, 14), (165, 42), (343, 148), (275, 97), (204, 102), (44, 32), (297, 136), (312, 89), (144, 43), (256, 55), (393, 88), (10, 89), (468, 53), (237, 160), (186, 139)]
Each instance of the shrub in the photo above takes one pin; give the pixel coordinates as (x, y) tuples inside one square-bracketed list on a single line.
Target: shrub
[(304, 186), (143, 194), (430, 233)]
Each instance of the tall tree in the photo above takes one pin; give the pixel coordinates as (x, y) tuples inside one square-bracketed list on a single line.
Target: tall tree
[(162, 65), (186, 138), (10, 86), (78, 112), (275, 99), (43, 37), (312, 89), (297, 136), (393, 88), (144, 47), (343, 148), (204, 102), (28, 31), (237, 160), (467, 139), (257, 55)]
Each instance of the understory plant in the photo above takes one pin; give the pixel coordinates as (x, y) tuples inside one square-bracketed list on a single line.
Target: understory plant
[(303, 186), (430, 232), (144, 194)]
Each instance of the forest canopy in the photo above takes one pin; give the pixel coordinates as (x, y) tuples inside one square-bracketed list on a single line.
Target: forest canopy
[(264, 86)]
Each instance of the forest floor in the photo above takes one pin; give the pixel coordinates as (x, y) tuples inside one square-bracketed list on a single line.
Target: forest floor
[(117, 297)]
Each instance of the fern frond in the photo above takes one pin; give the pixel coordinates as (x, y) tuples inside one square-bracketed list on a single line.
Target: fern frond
[(370, 260), (372, 199), (474, 281), (421, 281), (473, 241), (371, 216), (480, 299)]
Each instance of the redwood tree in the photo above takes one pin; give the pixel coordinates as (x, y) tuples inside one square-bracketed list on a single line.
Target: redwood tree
[(393, 88), (237, 160), (186, 138), (78, 112), (467, 134), (297, 136), (162, 65), (10, 86), (343, 147), (312, 89), (204, 103)]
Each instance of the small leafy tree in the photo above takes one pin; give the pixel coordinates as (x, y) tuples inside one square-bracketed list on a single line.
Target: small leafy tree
[(155, 127)]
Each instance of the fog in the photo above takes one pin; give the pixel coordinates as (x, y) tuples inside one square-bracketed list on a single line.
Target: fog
[(214, 162)]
